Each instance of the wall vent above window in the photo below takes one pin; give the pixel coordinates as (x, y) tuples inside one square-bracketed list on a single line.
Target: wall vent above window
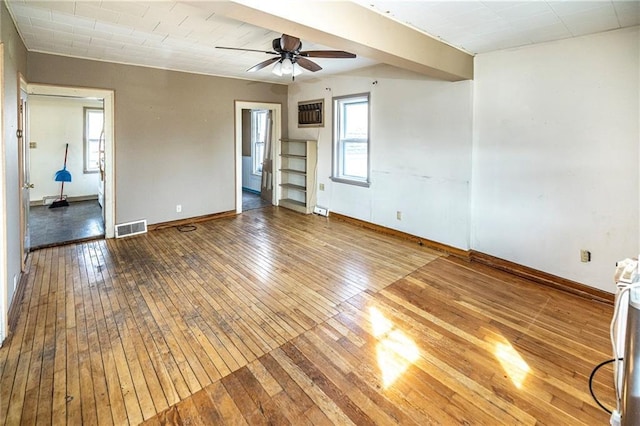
[(131, 228), (311, 113)]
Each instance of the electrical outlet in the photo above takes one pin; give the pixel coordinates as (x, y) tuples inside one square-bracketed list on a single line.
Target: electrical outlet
[(399, 215), (321, 186), (179, 208), (585, 256)]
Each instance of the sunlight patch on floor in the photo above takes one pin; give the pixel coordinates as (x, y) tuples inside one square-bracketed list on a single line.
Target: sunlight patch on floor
[(516, 368), (395, 351)]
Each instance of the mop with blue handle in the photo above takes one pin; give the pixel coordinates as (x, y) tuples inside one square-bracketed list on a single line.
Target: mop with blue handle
[(62, 176)]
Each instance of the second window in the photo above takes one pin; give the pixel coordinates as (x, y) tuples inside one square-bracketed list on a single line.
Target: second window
[(351, 139)]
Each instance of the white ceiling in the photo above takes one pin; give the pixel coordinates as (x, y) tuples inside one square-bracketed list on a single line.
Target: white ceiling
[(183, 35), (484, 26)]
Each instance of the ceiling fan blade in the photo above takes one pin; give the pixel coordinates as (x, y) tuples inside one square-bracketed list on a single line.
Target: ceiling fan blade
[(263, 64), (327, 54), (289, 43), (268, 52), (307, 64)]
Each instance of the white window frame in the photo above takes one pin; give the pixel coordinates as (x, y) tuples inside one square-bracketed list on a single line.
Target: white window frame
[(88, 142), (256, 168), (338, 167)]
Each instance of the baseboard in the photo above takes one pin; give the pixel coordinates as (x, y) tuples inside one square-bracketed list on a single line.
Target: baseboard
[(16, 304), (69, 199), (83, 198), (543, 278), (434, 245), (253, 191), (494, 262), (189, 221)]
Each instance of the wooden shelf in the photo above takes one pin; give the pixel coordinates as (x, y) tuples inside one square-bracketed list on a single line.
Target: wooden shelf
[(293, 202), (294, 172), (294, 186)]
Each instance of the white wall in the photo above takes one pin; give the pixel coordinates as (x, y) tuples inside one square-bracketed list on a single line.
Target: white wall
[(555, 160), (250, 180), (420, 152), (53, 122)]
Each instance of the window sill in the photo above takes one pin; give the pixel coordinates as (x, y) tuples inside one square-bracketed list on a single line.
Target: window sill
[(90, 172), (362, 183)]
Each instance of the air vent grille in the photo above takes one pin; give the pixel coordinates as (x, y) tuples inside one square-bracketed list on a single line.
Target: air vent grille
[(131, 228)]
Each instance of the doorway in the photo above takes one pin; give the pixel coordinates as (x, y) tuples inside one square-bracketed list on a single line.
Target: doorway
[(256, 139), (65, 149), (69, 129), (258, 128)]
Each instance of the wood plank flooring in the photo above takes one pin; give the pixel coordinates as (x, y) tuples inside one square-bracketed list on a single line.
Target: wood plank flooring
[(278, 318), (113, 332), (451, 343)]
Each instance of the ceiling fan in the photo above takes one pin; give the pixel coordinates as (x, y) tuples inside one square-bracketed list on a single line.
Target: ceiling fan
[(287, 54)]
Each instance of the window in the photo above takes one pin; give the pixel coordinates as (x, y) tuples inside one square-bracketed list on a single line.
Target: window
[(258, 137), (351, 139), (93, 133)]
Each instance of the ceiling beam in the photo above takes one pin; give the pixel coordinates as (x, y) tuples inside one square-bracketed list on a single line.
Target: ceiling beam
[(349, 26)]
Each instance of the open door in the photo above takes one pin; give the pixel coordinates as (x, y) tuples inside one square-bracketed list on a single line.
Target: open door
[(25, 180), (266, 186)]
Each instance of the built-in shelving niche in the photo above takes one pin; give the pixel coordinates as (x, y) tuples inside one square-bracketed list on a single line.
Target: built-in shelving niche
[(298, 164)]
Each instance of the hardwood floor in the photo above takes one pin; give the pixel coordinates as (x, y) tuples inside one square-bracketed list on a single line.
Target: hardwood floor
[(278, 318)]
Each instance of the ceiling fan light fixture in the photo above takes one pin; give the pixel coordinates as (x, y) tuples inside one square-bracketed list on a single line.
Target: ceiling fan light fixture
[(287, 66), (277, 69), (297, 70)]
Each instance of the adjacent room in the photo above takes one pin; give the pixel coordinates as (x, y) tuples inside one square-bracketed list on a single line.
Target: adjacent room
[(319, 212), (65, 134)]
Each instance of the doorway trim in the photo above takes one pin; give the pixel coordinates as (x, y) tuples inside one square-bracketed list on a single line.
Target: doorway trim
[(4, 281), (276, 134), (23, 125), (109, 145)]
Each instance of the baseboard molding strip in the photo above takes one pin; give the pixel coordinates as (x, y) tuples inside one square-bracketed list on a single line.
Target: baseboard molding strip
[(189, 221), (253, 191), (16, 305), (69, 199), (543, 278), (434, 245), (534, 275)]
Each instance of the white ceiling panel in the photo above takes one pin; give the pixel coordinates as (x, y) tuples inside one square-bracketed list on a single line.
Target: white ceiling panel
[(563, 8), (137, 9), (524, 10), (183, 35), (75, 21), (591, 21), (517, 23), (551, 32)]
